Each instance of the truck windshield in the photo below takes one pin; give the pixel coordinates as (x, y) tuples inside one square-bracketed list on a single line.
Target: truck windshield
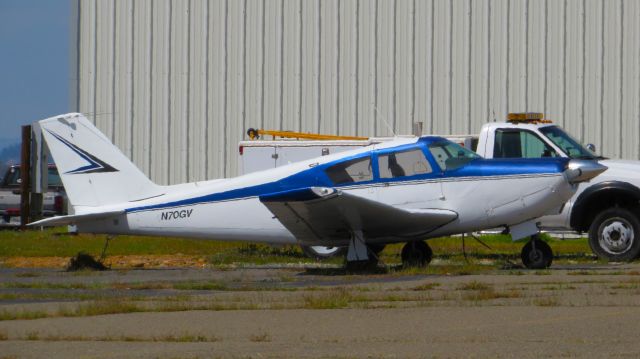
[(451, 156), (569, 145), (13, 179)]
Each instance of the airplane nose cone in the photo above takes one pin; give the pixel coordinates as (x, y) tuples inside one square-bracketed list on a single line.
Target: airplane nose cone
[(583, 170)]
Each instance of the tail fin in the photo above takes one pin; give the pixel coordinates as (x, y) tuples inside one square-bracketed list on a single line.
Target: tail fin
[(94, 171)]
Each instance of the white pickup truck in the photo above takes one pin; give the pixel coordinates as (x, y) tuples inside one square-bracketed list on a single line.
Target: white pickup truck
[(608, 207)]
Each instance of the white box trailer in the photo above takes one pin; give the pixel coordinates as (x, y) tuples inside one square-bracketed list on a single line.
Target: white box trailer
[(259, 155)]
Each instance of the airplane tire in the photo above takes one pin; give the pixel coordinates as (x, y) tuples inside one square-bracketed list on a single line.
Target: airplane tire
[(540, 258), (416, 254), (614, 235), (320, 252)]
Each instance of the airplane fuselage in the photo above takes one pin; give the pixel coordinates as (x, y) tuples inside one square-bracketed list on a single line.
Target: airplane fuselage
[(484, 194)]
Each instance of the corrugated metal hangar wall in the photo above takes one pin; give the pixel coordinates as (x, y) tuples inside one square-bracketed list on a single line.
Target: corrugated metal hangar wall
[(176, 83)]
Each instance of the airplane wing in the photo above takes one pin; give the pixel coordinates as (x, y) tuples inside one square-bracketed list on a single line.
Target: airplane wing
[(73, 219), (317, 213)]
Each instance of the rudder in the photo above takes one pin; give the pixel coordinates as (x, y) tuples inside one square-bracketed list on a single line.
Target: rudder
[(93, 170)]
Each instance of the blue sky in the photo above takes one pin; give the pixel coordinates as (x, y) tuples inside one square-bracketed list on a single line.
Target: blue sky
[(34, 63)]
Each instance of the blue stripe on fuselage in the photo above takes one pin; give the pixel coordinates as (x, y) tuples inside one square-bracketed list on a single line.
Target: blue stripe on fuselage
[(316, 177)]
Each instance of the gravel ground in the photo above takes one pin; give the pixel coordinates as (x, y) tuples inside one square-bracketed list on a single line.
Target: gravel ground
[(572, 311)]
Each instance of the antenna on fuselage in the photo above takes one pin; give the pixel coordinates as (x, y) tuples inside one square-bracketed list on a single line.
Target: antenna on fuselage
[(384, 120)]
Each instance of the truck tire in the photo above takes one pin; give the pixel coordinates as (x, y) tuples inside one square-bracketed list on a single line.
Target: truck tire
[(614, 234), (320, 252)]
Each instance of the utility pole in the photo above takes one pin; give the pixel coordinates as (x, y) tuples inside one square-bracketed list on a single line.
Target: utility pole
[(25, 178)]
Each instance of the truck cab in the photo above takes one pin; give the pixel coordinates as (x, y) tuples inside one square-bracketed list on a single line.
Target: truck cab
[(607, 208)]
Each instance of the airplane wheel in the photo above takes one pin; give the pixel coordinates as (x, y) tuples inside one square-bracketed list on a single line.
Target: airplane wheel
[(320, 252), (416, 254), (539, 257)]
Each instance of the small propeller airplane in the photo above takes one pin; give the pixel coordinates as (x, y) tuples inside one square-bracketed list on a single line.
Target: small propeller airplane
[(404, 190)]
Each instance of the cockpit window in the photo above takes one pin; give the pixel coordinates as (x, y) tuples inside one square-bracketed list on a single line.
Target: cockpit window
[(451, 156), (404, 163), (357, 170)]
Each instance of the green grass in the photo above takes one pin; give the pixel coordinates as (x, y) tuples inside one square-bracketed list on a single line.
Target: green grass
[(56, 243)]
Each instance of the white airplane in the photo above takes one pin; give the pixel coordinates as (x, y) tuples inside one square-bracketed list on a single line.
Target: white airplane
[(405, 190)]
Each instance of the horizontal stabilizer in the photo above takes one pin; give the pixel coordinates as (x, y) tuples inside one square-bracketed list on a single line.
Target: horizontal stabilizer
[(74, 219)]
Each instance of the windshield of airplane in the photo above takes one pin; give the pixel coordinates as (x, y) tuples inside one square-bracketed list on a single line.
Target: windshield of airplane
[(451, 156), (569, 145)]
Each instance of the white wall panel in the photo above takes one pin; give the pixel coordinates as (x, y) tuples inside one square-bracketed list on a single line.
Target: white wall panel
[(104, 115), (329, 104), (347, 67), (424, 64), (442, 72), (197, 99), (480, 59), (555, 60), (234, 82), (141, 120), (460, 69), (591, 100), (367, 56), (122, 77), (176, 83), (630, 79), (253, 64), (291, 65), (272, 87), (216, 90), (612, 79), (311, 80), (404, 60), (160, 105)]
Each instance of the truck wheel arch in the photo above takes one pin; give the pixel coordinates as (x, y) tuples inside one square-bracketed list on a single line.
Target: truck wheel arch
[(600, 196)]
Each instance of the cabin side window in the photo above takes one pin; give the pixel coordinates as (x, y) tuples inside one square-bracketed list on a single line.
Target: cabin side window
[(357, 170), (403, 164), (520, 144)]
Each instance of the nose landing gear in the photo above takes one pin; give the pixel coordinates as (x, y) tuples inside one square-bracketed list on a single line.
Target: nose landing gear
[(536, 254)]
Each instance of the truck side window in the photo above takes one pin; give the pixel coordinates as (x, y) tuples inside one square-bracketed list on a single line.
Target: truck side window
[(401, 164), (520, 144), (358, 170)]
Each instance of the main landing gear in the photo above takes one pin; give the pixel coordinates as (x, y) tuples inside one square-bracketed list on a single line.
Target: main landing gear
[(536, 254), (359, 256)]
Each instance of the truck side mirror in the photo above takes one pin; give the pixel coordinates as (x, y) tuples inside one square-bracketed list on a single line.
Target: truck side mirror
[(591, 147)]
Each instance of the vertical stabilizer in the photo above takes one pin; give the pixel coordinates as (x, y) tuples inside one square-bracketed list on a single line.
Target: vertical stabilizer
[(94, 171)]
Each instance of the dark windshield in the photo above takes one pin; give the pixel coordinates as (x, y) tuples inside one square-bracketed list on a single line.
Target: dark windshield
[(13, 177), (450, 156), (567, 144)]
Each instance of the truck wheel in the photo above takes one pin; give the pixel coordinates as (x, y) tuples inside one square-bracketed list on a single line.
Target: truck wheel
[(320, 252), (614, 235)]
